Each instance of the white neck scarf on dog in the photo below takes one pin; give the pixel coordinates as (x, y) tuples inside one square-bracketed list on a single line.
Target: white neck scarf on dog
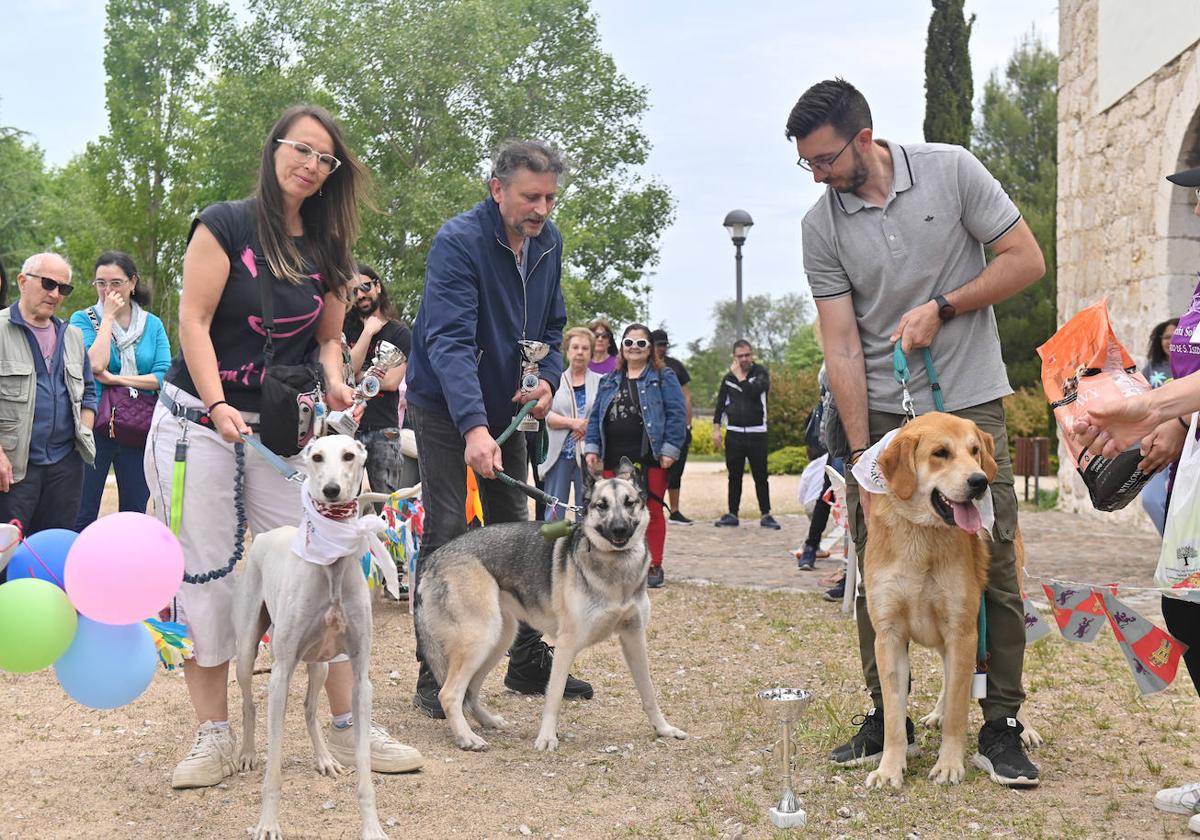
[(323, 541), (870, 478)]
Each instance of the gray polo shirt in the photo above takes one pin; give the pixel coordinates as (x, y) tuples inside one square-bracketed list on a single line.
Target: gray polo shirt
[(926, 240)]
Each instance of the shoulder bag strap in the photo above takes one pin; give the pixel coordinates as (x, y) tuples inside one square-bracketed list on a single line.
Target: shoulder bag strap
[(268, 319)]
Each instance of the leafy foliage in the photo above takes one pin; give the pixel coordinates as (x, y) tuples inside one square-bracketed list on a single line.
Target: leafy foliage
[(948, 84), (1016, 139), (790, 460), (793, 396)]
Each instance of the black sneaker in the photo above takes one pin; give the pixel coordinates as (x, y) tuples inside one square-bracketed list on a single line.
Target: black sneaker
[(768, 521), (727, 521), (837, 592), (865, 749), (677, 518), (426, 699), (531, 673), (806, 561), (655, 577), (1002, 755)]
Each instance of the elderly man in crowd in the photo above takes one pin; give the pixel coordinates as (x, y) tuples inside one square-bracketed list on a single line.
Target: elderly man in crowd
[(47, 402)]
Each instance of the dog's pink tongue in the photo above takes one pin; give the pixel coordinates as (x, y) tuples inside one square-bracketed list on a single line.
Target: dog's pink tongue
[(966, 516)]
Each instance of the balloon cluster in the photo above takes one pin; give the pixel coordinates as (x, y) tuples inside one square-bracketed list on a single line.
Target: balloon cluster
[(77, 601)]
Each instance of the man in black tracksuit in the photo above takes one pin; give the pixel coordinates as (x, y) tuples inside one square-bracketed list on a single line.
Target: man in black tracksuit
[(742, 402)]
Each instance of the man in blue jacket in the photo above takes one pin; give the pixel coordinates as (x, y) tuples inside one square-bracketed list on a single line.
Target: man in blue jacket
[(492, 279)]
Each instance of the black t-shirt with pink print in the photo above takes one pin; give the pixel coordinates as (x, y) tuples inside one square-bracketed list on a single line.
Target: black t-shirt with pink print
[(236, 330)]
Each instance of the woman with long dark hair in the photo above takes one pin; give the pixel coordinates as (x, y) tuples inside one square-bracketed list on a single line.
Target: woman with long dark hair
[(639, 415), (294, 236), (127, 347)]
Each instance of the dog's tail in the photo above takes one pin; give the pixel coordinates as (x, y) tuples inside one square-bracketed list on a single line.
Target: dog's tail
[(429, 648)]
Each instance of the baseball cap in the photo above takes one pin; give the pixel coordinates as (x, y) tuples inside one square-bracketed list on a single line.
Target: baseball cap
[(659, 337), (1186, 178)]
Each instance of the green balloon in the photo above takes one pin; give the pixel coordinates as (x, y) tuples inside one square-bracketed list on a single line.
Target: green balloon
[(37, 624)]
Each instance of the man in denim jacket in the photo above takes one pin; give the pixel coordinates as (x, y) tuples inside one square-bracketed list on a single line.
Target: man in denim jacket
[(492, 279)]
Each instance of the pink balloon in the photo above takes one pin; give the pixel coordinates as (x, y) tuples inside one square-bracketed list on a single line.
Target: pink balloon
[(123, 568)]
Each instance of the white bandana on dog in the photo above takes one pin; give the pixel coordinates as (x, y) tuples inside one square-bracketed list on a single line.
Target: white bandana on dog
[(870, 478), (323, 541)]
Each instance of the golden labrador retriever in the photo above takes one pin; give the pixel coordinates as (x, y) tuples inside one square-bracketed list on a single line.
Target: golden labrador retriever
[(924, 576)]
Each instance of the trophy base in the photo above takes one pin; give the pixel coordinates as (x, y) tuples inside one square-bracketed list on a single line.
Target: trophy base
[(528, 423), (783, 819), (342, 422)]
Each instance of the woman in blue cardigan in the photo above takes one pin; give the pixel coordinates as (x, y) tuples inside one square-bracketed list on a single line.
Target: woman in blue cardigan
[(128, 348)]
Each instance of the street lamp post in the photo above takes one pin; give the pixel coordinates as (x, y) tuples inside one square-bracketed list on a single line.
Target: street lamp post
[(737, 222)]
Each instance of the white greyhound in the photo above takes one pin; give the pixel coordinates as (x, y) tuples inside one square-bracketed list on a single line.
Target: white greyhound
[(308, 582)]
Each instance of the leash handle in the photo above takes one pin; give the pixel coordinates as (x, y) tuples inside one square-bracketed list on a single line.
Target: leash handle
[(900, 371)]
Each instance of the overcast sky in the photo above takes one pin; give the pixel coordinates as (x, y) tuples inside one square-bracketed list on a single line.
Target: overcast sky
[(721, 77)]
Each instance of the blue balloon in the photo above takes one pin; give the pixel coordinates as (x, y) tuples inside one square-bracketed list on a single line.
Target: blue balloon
[(51, 548), (107, 665)]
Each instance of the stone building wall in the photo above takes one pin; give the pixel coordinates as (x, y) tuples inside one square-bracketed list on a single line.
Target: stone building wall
[(1123, 231)]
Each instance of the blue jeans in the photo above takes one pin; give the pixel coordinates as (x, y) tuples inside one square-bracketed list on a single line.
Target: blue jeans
[(131, 480), (562, 476)]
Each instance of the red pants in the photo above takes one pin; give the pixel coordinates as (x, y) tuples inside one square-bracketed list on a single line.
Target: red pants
[(656, 532)]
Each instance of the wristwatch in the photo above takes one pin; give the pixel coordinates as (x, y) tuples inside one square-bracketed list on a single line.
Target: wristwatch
[(946, 309)]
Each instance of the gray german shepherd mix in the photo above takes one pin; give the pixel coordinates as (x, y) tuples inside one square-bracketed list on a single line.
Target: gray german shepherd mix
[(580, 590)]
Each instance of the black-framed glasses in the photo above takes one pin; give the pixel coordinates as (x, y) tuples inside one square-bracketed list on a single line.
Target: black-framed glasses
[(823, 165), (50, 284), (363, 288), (327, 163), (641, 343)]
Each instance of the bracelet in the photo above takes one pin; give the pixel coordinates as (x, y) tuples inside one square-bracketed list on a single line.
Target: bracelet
[(855, 455), (214, 405), (1184, 423)]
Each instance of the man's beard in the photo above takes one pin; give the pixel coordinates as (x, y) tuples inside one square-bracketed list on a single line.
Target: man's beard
[(858, 176), (370, 310)]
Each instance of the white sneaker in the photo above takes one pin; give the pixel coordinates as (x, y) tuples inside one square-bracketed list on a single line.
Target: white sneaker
[(387, 754), (1194, 824), (210, 760), (1179, 800)]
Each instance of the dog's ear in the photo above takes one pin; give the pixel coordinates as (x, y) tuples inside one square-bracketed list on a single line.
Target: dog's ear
[(898, 463), (626, 470), (360, 449), (987, 454)]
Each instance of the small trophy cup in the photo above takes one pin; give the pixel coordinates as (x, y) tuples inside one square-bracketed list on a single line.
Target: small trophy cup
[(785, 706), (387, 356), (532, 352)]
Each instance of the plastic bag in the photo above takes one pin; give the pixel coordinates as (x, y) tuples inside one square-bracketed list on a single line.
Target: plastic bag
[(1179, 560), (811, 482), (1083, 362)]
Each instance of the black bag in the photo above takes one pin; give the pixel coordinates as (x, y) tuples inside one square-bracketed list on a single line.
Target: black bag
[(833, 434), (812, 429), (292, 395)]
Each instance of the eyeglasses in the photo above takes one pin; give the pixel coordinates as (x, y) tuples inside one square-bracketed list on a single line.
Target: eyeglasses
[(110, 284), (50, 285), (363, 288), (602, 334), (743, 355), (642, 343), (823, 165), (327, 163)]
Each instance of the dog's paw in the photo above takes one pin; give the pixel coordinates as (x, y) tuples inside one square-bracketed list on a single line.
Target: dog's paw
[(1031, 738), (884, 777), (668, 731), (327, 765), (948, 772), (247, 761), (933, 720), (494, 722), (546, 743), (471, 741), (268, 830)]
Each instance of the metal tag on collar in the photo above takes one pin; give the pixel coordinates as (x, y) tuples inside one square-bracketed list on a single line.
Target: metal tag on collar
[(285, 469)]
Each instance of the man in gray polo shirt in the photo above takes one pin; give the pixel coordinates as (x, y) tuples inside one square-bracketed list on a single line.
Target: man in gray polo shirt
[(894, 251)]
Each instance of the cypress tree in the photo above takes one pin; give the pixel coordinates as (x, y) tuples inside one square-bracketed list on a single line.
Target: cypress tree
[(948, 86)]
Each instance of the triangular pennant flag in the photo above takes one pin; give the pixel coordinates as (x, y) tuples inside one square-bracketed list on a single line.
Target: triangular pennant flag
[(1078, 610), (1153, 654), (1035, 626)]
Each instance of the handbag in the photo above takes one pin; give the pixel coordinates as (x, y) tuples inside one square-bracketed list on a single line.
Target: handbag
[(292, 395), (1179, 560), (833, 433), (124, 413)]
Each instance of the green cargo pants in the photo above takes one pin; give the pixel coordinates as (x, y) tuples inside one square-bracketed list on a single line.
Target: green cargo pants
[(1005, 612)]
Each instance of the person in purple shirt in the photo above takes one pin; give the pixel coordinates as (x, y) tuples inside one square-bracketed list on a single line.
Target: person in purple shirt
[(47, 402), (604, 351)]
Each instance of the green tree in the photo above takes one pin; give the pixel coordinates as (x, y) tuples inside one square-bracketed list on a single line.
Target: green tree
[(948, 85), (1016, 139), (803, 353), (23, 188)]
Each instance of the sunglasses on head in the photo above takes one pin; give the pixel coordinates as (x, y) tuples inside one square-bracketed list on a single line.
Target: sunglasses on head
[(643, 343), (50, 284)]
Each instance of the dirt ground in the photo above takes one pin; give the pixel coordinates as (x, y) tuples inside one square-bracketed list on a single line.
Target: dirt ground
[(734, 617)]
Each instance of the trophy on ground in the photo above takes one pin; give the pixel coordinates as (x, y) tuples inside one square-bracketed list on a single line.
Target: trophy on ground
[(785, 706), (532, 352), (387, 356)]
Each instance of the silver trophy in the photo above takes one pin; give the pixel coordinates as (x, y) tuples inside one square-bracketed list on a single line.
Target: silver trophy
[(532, 352), (785, 706), (387, 356)]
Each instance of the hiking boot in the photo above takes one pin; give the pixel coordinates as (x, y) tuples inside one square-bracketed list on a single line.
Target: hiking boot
[(727, 521), (768, 521), (806, 561), (426, 699), (528, 673), (1002, 755), (210, 760), (1179, 800), (677, 518), (655, 577), (837, 592), (387, 754), (865, 749)]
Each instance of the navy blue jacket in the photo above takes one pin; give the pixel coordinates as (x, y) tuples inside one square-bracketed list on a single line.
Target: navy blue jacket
[(465, 360)]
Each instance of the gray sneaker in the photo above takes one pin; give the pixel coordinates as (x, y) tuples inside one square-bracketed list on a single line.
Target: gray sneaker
[(210, 760), (727, 521)]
